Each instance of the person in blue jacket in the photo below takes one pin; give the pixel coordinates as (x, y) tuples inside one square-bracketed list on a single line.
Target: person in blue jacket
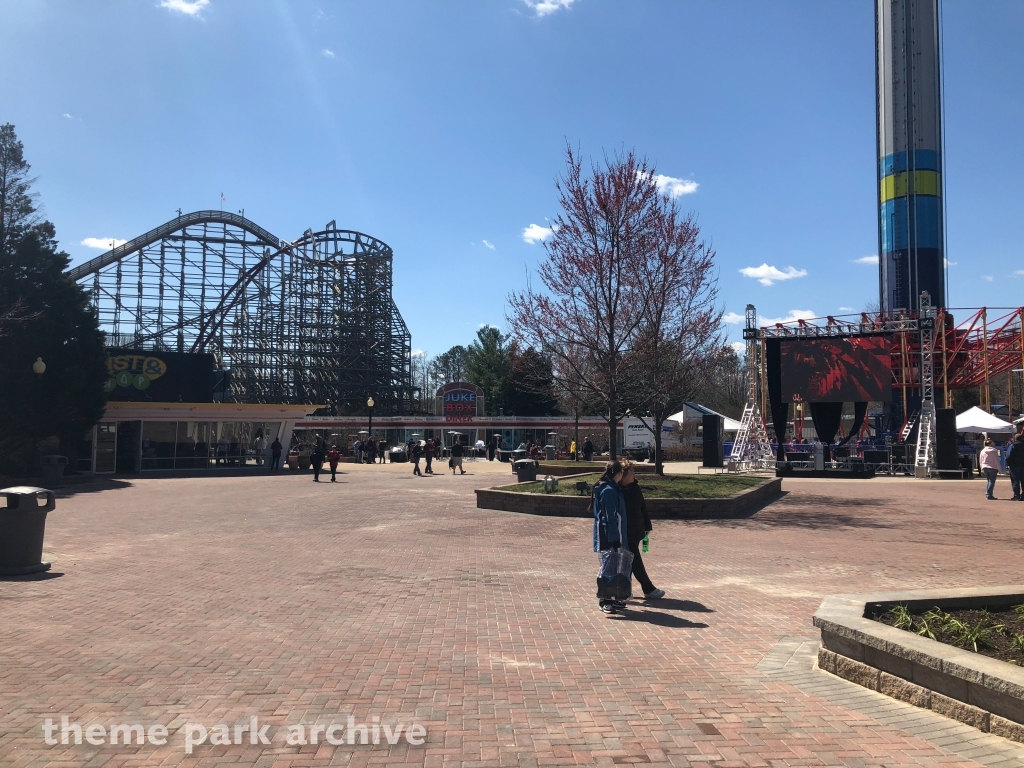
[(610, 520)]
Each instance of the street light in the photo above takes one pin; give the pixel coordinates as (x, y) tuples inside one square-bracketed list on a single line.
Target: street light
[(39, 366), (369, 404)]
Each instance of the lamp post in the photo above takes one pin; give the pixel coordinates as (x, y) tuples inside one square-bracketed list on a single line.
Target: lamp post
[(369, 405)]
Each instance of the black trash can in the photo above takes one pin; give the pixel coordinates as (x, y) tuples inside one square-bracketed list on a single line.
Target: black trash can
[(22, 523), (526, 470), (53, 470), (549, 452)]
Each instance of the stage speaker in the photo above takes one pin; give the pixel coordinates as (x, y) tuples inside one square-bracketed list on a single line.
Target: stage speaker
[(899, 453), (713, 441), (876, 457), (946, 455)]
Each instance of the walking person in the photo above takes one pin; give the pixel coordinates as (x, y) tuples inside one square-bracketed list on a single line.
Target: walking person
[(492, 447), (333, 457), (457, 452), (638, 525), (275, 455), (989, 463), (316, 458), (1015, 466), (588, 450), (610, 521), (428, 454), (417, 453)]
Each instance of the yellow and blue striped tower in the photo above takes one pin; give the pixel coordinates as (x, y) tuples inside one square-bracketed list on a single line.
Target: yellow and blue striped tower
[(908, 102)]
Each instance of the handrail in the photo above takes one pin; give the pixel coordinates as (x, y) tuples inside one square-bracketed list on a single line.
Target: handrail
[(185, 220)]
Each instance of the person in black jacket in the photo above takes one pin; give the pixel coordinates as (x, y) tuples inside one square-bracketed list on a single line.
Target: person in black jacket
[(457, 452), (316, 458), (638, 525), (1015, 466)]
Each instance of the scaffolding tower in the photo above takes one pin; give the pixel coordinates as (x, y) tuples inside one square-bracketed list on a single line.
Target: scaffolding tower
[(751, 450), (310, 321)]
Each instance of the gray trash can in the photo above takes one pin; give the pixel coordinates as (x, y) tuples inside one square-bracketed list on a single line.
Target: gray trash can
[(22, 523), (53, 470), (526, 470), (549, 452)]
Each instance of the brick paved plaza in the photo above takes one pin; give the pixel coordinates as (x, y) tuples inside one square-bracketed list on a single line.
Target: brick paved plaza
[(214, 600)]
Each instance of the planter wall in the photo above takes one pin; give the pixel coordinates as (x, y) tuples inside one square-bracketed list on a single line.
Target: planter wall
[(736, 505), (974, 689)]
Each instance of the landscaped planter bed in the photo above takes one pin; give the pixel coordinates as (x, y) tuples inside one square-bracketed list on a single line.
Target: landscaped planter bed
[(732, 500), (957, 682), (995, 631)]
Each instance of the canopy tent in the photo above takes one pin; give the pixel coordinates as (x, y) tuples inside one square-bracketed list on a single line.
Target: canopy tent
[(976, 420), (694, 411)]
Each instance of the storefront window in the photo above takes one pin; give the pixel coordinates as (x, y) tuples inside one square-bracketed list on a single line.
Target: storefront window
[(158, 439), (205, 444)]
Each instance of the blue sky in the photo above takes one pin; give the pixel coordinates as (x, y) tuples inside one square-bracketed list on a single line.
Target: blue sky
[(439, 127)]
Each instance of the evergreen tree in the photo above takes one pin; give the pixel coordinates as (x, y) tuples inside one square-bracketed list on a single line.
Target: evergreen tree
[(45, 315), (489, 366)]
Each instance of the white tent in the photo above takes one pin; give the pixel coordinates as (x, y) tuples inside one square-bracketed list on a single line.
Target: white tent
[(693, 411), (976, 420)]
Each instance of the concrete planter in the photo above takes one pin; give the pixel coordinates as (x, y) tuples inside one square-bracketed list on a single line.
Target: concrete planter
[(974, 689), (736, 505)]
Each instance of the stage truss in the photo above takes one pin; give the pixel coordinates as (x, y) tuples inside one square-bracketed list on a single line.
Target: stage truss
[(932, 356), (310, 321), (967, 355)]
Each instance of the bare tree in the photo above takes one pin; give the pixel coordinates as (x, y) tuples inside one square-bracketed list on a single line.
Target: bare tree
[(592, 305), (680, 341)]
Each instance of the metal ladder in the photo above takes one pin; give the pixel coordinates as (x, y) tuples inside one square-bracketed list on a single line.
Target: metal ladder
[(924, 462), (908, 428)]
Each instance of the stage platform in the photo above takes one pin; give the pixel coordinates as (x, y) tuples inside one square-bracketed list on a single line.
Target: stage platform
[(825, 474)]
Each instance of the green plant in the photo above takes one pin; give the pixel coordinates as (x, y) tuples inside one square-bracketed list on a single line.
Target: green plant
[(1017, 643), (1019, 610), (980, 633), (924, 627), (901, 617)]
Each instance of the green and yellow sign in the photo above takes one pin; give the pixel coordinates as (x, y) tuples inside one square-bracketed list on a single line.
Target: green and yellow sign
[(137, 371)]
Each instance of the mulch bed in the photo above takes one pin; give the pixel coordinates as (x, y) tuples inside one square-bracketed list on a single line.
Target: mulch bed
[(997, 633)]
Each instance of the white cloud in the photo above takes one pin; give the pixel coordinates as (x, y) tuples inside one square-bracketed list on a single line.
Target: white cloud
[(673, 187), (1019, 272), (732, 318), (418, 353), (739, 347), (867, 260), (545, 7), (987, 277), (66, 116), (846, 309), (949, 263), (188, 7), (103, 243), (487, 244), (535, 233), (792, 317), (328, 53), (766, 274)]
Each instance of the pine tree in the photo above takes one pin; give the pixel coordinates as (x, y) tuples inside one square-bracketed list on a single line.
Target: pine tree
[(43, 314)]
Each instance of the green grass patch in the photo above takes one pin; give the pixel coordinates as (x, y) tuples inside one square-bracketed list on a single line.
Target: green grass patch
[(655, 487)]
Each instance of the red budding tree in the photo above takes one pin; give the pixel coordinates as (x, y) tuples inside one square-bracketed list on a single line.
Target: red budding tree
[(593, 303), (679, 344)]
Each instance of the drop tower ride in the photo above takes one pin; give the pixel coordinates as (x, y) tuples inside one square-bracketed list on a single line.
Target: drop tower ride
[(909, 134)]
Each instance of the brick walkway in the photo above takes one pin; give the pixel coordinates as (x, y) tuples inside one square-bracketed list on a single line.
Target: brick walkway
[(218, 599)]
